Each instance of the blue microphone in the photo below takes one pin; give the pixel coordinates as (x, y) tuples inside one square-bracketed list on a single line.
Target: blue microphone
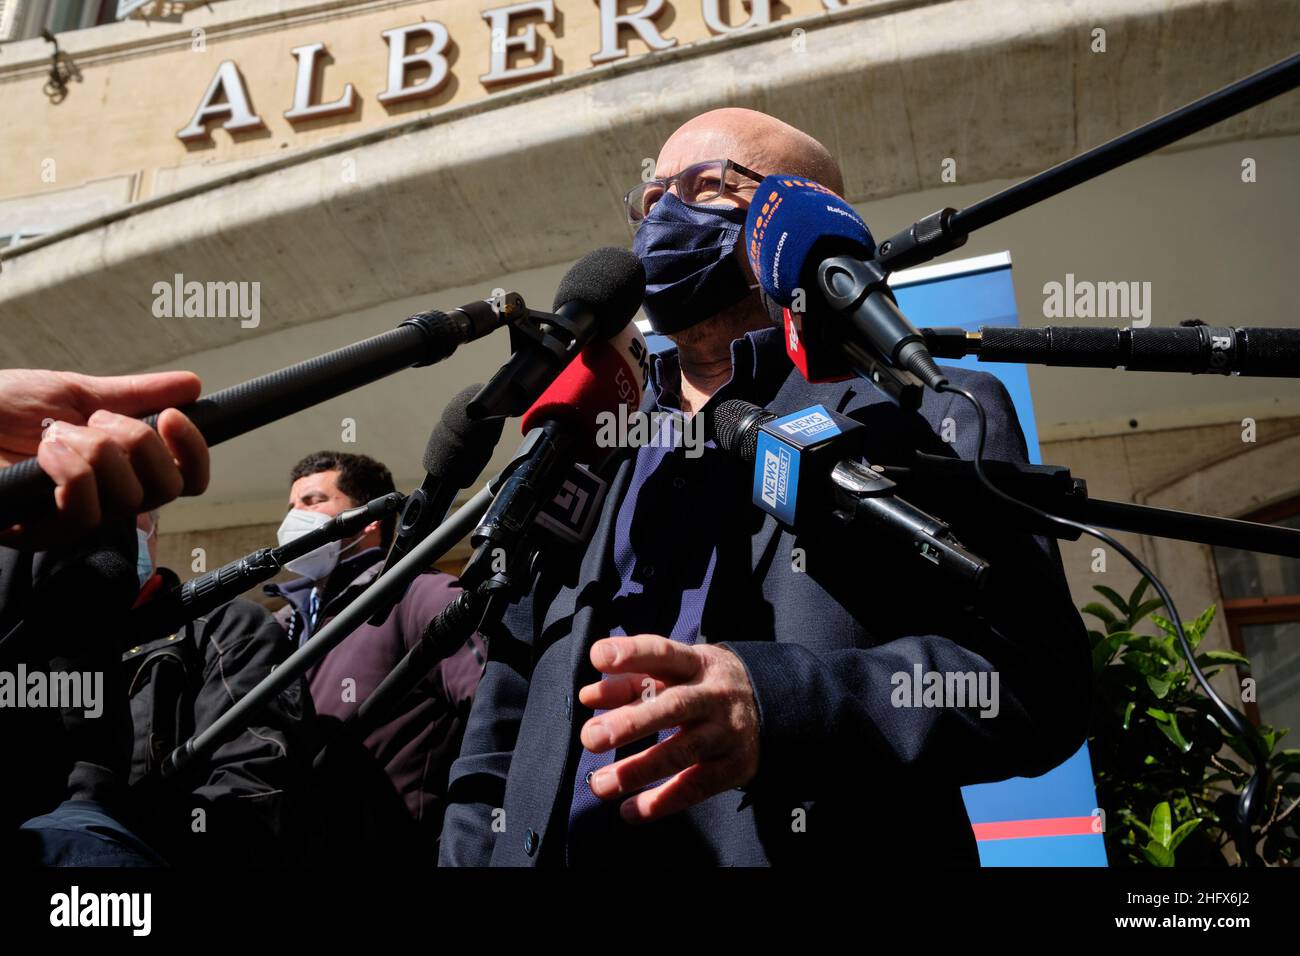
[(808, 473), (813, 254)]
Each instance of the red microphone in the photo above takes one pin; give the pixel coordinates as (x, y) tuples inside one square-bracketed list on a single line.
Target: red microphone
[(545, 486), (815, 362), (604, 377)]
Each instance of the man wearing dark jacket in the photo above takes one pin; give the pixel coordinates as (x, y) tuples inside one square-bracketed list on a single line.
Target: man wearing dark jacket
[(415, 745), (252, 802), (704, 687)]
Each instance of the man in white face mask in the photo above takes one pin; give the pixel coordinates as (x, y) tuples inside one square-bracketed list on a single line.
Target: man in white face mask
[(416, 745), (314, 498)]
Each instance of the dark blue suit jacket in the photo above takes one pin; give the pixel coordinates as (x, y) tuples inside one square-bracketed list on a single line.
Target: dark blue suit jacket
[(875, 783)]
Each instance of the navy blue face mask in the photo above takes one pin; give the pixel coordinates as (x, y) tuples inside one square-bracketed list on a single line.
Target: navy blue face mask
[(688, 251)]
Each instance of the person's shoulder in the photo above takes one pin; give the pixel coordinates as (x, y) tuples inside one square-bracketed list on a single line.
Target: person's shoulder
[(850, 394), (432, 585), (240, 614), (435, 578), (985, 387), (974, 380)]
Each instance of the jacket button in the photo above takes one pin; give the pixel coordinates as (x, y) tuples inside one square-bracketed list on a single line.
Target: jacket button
[(530, 842), (568, 706)]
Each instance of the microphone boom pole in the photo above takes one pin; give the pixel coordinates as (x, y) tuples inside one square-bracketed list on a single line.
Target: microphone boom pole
[(1194, 349), (26, 492), (945, 230)]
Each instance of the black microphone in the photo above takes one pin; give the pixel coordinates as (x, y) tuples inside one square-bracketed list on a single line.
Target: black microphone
[(595, 301), (169, 612), (812, 252), (806, 473), (459, 449), (26, 492), (1193, 347), (75, 598)]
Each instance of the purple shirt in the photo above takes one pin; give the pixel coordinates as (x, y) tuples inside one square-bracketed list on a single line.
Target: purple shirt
[(680, 549)]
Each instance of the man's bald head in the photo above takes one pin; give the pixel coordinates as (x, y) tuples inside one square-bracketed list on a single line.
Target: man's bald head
[(763, 143)]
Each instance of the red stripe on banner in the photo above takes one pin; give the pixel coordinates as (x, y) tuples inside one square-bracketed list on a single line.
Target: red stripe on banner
[(1019, 829)]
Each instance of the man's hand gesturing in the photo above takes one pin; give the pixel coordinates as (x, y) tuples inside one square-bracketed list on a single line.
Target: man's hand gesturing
[(658, 684)]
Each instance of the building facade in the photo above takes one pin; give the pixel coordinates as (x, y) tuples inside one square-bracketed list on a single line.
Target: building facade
[(332, 166)]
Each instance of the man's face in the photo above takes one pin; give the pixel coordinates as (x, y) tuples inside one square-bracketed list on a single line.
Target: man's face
[(320, 492), (694, 145)]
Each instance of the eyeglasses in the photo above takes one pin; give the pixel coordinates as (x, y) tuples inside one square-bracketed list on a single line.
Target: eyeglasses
[(703, 182)]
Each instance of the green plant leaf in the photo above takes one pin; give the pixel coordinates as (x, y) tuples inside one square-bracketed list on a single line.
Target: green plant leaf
[(1101, 611), (1286, 761), (1149, 643), (1136, 596), (1160, 824), (1168, 725), (1270, 737), (1181, 833), (1146, 700), (1158, 855), (1222, 657), (1142, 610), (1113, 597), (1105, 649), (1148, 665), (1130, 818), (1165, 625), (1159, 686)]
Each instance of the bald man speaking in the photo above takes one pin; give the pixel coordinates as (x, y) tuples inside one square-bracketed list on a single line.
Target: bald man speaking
[(703, 687)]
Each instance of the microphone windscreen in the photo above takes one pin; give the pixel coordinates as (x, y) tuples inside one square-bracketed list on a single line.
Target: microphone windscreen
[(80, 598), (790, 220), (609, 281), (605, 376), (104, 578), (734, 428), (460, 447)]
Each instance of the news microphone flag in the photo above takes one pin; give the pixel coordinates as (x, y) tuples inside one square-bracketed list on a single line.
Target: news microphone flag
[(789, 219), (793, 224), (604, 376), (805, 444)]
